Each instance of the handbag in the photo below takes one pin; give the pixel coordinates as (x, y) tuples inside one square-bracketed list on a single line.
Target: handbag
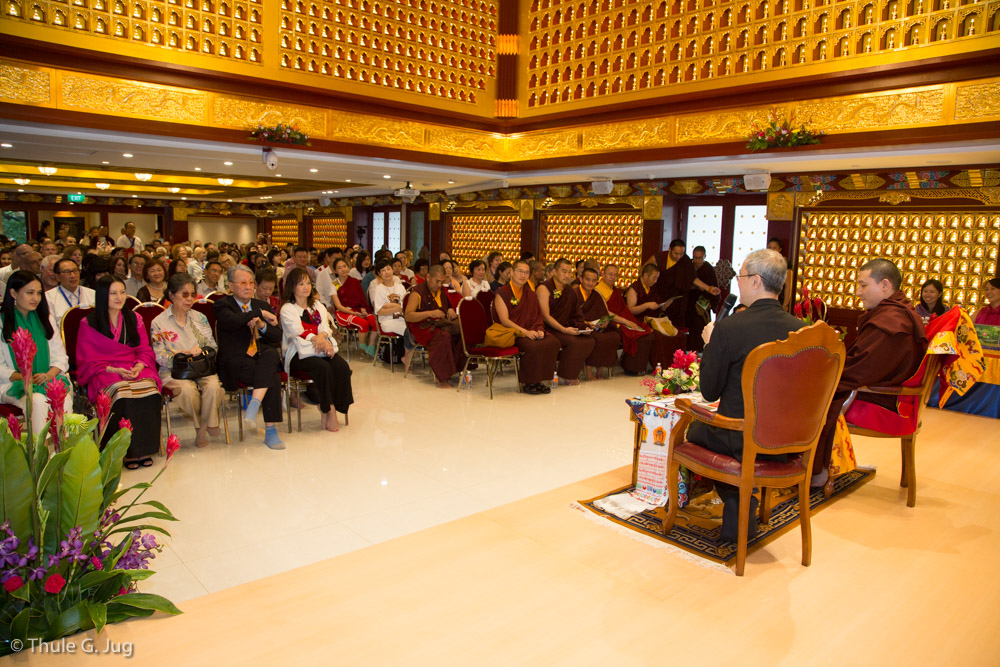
[(193, 366)]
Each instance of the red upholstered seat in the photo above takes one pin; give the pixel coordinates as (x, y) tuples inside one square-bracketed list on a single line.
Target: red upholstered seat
[(730, 466), (473, 323), (71, 330), (494, 351), (206, 308), (485, 299)]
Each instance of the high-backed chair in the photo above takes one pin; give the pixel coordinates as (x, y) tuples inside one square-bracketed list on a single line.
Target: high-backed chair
[(417, 348), (485, 299), (206, 308), (787, 389), (215, 296), (384, 338), (131, 302), (472, 321), (874, 421)]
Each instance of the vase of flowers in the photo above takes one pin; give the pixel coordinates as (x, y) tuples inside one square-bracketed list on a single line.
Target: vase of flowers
[(280, 134), (73, 545), (810, 310), (780, 132), (683, 376)]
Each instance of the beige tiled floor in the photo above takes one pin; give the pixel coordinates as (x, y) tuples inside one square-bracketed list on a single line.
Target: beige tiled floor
[(414, 456)]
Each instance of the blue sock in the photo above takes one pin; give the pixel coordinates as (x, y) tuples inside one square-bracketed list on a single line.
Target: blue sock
[(271, 438), (250, 415)]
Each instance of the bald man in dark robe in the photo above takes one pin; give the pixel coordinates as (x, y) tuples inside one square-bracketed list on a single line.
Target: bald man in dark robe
[(433, 324), (643, 300), (678, 276), (890, 346), (697, 316), (607, 340), (560, 305), (516, 307), (637, 336)]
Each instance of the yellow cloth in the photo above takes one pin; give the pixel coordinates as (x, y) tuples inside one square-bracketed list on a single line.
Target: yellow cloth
[(842, 457), (966, 362), (252, 348), (670, 262), (437, 299), (604, 289)]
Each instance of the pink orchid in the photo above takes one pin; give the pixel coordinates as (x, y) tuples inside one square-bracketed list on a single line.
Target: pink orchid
[(173, 444), (14, 424), (125, 424), (24, 351), (103, 406)]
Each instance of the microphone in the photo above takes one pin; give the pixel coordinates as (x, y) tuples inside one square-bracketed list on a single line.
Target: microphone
[(727, 306)]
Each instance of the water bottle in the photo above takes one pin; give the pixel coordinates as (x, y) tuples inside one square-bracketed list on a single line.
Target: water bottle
[(555, 379), (659, 369), (467, 381)]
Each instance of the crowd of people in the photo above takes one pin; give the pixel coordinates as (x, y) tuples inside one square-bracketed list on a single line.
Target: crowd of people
[(285, 310)]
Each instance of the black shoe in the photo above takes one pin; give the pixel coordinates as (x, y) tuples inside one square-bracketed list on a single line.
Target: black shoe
[(532, 389), (544, 388)]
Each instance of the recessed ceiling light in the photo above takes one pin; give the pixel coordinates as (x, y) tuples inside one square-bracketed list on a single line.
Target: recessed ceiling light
[(135, 196), (142, 176), (197, 168), (126, 155), (20, 189), (6, 145), (48, 171), (229, 200), (106, 162), (22, 181), (174, 190), (225, 181), (277, 175), (347, 180), (335, 192), (313, 171), (102, 186), (451, 182), (184, 198), (386, 176), (228, 164)]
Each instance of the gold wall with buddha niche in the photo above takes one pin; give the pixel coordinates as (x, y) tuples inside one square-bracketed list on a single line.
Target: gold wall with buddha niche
[(576, 51), (329, 232), (606, 238), (475, 236), (284, 230), (959, 248)]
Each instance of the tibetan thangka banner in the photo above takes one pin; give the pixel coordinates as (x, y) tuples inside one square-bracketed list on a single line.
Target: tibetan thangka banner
[(651, 474)]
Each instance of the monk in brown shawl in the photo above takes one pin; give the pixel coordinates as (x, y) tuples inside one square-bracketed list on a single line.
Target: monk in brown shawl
[(637, 337), (516, 307), (678, 276), (432, 323), (537, 274), (890, 346), (607, 340), (700, 302), (643, 300), (560, 306)]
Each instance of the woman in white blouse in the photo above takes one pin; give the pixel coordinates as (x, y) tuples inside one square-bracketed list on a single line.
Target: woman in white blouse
[(311, 349), (477, 283), (181, 329), (387, 301)]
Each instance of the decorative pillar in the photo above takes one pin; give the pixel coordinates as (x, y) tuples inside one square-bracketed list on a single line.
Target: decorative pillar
[(508, 45), (652, 226)]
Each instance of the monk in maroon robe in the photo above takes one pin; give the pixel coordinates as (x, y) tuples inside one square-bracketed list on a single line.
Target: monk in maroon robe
[(516, 307), (637, 336), (560, 305), (432, 323), (607, 340), (678, 276), (698, 316), (643, 300), (890, 346)]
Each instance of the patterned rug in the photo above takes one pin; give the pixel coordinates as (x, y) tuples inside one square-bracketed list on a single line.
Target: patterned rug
[(696, 530)]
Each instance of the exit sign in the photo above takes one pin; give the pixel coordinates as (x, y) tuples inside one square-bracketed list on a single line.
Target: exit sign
[(76, 199)]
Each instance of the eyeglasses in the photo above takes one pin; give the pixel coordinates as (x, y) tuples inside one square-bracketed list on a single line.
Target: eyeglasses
[(747, 275), (69, 272)]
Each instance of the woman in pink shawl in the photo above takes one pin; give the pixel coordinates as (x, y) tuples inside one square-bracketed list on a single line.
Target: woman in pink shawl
[(114, 356)]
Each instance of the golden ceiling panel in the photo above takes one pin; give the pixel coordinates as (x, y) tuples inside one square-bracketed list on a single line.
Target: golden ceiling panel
[(241, 112), (537, 145), (27, 85), (874, 111), (653, 133), (139, 100), (466, 143), (362, 128), (722, 126), (977, 101)]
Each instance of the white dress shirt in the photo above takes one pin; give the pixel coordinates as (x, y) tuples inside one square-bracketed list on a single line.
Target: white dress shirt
[(135, 243), (60, 300)]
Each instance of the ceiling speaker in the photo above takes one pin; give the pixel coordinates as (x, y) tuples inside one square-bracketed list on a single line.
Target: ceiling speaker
[(603, 186), (757, 182)]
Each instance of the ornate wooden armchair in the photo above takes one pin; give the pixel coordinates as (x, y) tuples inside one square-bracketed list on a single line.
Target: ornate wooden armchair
[(787, 389)]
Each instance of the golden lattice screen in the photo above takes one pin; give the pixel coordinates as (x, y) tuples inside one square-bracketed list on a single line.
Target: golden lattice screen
[(284, 231), (329, 233), (959, 248), (580, 49), (608, 239), (443, 48), (476, 236)]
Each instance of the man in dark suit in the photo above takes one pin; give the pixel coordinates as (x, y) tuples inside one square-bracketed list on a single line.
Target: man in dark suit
[(726, 348), (249, 337)]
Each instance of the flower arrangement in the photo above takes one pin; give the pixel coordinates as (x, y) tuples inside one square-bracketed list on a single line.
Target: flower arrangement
[(810, 310), (683, 376), (280, 134), (780, 132), (72, 547)]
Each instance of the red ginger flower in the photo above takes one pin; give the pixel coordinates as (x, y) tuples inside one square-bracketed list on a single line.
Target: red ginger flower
[(54, 584), (14, 424), (126, 424), (173, 444), (24, 351), (13, 584), (56, 393), (103, 406)]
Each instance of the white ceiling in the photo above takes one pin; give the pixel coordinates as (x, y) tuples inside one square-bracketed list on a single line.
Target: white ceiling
[(34, 142)]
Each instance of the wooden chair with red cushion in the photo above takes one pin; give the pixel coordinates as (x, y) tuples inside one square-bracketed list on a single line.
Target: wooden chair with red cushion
[(131, 302), (206, 308), (473, 323), (215, 296), (874, 421), (70, 330), (485, 300), (787, 389)]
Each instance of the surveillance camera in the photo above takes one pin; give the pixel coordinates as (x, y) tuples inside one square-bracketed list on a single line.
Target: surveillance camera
[(270, 159), (324, 201)]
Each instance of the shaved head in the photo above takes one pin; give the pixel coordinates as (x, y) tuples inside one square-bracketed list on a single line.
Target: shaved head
[(437, 271)]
